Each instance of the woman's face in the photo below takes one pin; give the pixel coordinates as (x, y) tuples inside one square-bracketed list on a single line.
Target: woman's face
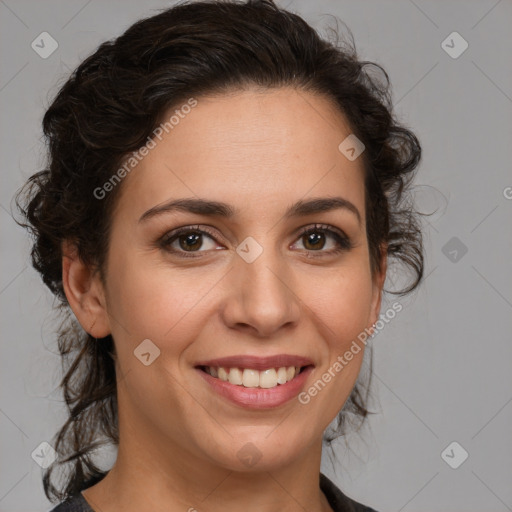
[(249, 288)]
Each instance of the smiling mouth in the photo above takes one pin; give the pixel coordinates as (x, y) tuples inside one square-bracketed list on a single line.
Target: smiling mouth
[(251, 378)]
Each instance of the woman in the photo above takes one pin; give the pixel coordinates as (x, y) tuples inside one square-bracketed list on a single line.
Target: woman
[(223, 191)]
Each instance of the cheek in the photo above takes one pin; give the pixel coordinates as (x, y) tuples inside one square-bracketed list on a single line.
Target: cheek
[(156, 301), (341, 300), (340, 308)]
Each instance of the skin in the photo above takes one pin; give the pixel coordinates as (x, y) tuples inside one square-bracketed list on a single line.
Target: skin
[(260, 151)]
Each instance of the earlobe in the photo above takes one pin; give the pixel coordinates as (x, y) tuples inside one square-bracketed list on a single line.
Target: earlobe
[(84, 291)]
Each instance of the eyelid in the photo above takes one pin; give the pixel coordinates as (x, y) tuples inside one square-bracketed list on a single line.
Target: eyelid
[(344, 242), (168, 235), (322, 227)]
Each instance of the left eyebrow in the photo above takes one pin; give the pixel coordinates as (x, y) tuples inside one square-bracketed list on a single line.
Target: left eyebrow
[(200, 206), (322, 204)]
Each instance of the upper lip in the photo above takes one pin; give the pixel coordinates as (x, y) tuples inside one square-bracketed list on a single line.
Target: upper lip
[(257, 362)]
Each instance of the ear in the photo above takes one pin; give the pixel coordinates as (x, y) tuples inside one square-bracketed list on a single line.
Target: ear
[(84, 291), (378, 284)]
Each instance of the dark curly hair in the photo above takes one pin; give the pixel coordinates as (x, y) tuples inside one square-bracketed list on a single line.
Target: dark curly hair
[(109, 107)]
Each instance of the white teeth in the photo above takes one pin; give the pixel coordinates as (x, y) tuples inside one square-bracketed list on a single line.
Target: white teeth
[(268, 378), (235, 376), (250, 378), (281, 375)]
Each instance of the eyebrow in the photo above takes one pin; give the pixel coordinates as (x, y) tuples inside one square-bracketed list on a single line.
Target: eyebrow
[(200, 206)]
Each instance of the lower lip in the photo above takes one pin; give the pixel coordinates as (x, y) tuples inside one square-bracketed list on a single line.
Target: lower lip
[(258, 398)]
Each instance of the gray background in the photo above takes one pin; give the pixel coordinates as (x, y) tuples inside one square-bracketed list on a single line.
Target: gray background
[(442, 366)]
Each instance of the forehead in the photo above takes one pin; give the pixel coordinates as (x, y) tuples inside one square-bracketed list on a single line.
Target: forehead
[(249, 148)]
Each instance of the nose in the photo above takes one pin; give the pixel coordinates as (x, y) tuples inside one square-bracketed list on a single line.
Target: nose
[(261, 298)]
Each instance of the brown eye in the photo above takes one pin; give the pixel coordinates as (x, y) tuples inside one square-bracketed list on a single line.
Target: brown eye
[(187, 240), (314, 241), (316, 238), (190, 242)]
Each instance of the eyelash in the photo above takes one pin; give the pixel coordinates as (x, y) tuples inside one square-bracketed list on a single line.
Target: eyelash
[(344, 243)]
